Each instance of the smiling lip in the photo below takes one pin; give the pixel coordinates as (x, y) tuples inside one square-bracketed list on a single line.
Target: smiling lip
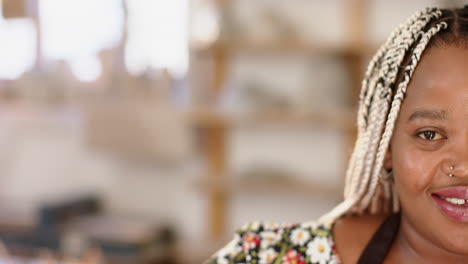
[(460, 192), (458, 213)]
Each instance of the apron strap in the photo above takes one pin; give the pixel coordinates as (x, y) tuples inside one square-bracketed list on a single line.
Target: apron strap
[(378, 247)]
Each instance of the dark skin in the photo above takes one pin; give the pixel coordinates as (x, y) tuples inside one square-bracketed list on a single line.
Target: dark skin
[(430, 135)]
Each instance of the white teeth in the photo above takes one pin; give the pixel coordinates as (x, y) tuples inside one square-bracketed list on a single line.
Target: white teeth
[(455, 201)]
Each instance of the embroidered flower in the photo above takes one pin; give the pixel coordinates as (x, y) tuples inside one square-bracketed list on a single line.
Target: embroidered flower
[(250, 241), (228, 251), (319, 250), (235, 251), (237, 237), (334, 259), (292, 257), (245, 227), (287, 225), (234, 247), (254, 226), (311, 225), (270, 226), (251, 227), (267, 256), (303, 242), (222, 260), (270, 238), (300, 236)]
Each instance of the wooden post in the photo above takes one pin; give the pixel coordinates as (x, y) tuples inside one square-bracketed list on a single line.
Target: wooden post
[(216, 151), (356, 25), (216, 146)]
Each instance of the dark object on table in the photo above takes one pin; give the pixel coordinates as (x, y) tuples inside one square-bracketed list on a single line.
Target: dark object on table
[(74, 225)]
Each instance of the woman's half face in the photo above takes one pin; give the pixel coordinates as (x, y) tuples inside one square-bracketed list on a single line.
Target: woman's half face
[(430, 136)]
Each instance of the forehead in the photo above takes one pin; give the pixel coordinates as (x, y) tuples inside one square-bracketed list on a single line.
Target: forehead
[(440, 80)]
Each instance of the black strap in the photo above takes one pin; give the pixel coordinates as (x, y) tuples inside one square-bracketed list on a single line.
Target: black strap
[(380, 244)]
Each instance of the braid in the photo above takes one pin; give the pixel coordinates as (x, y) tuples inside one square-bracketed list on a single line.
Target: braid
[(379, 104), (396, 104), (390, 71), (377, 116), (367, 94)]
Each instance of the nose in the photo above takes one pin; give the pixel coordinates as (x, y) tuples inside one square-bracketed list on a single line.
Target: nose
[(458, 171), (457, 164)]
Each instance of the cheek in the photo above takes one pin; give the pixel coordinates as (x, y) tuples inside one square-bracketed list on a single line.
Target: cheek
[(413, 169)]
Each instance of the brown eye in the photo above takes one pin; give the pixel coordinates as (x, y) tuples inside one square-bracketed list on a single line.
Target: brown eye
[(429, 135)]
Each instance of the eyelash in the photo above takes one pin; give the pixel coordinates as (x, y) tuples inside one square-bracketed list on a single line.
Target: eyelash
[(423, 134)]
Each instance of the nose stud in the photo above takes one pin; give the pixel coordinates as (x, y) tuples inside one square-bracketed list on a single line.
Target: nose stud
[(451, 174)]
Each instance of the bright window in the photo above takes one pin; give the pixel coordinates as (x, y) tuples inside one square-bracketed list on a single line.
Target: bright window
[(157, 36), (77, 30), (18, 47)]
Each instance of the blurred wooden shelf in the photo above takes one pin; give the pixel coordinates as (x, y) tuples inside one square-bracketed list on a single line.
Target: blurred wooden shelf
[(344, 119), (271, 187), (284, 48), (354, 50)]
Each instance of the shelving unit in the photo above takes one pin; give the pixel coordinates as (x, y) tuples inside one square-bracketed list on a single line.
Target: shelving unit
[(342, 119), (216, 124), (296, 187), (281, 49)]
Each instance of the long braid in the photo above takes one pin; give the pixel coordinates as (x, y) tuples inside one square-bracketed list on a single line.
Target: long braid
[(396, 104), (379, 111), (379, 106), (375, 63), (367, 92), (390, 69), (376, 116)]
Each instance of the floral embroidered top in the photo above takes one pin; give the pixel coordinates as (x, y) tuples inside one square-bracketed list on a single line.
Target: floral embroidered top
[(265, 243)]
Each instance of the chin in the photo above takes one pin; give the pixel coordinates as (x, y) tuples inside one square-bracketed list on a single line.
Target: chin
[(451, 235), (436, 227), (457, 245)]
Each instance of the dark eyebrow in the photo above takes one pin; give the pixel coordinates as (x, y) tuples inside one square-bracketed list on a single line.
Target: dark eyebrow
[(429, 114)]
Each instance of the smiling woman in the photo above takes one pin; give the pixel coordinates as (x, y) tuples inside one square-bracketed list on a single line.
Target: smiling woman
[(407, 182), (429, 145)]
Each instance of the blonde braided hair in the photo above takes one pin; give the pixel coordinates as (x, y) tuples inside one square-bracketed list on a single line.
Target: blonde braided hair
[(367, 186)]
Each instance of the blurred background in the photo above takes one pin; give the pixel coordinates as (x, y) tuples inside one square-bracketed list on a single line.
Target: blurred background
[(147, 131)]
